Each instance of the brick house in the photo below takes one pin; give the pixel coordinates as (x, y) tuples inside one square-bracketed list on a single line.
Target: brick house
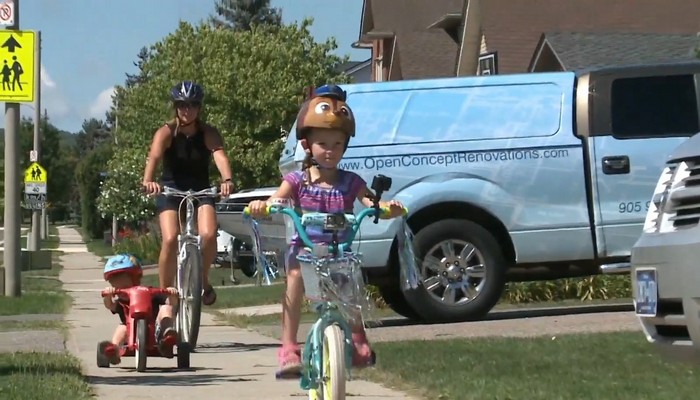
[(438, 38)]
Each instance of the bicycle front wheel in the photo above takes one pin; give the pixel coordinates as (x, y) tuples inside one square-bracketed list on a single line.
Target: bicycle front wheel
[(332, 385), (190, 307)]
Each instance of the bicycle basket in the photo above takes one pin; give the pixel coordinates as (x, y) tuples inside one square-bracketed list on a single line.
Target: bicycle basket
[(333, 279)]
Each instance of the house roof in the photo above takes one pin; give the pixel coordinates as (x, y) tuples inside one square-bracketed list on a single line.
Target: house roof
[(580, 50), (421, 52), (353, 66), (513, 27)]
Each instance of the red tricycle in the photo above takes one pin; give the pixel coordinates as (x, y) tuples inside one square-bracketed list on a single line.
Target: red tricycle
[(140, 328)]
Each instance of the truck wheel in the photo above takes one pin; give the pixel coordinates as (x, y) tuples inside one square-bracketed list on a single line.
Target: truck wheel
[(247, 265), (463, 272), (395, 299)]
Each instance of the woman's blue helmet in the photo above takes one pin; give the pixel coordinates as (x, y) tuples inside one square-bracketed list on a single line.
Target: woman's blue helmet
[(123, 263), (188, 92)]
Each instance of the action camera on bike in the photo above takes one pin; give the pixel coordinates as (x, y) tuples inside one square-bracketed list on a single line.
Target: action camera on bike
[(335, 222), (380, 184)]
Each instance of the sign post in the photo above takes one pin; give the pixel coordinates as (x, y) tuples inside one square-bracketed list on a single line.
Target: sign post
[(16, 47), (34, 241)]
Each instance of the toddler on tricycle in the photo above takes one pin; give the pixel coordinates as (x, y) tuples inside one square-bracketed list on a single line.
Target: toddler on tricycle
[(146, 319)]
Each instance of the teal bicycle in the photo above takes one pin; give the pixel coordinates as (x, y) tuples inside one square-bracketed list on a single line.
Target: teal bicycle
[(333, 279)]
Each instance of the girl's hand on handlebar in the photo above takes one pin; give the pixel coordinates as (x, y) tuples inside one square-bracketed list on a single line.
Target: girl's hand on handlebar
[(257, 208), (151, 188), (395, 208)]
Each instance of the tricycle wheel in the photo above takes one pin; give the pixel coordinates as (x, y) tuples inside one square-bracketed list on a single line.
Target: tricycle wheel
[(141, 345), (102, 360), (183, 355)]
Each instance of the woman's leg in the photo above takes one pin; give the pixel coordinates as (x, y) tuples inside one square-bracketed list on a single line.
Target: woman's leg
[(206, 226), (167, 261)]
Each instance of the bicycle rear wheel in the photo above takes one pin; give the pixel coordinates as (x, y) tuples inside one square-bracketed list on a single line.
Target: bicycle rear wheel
[(190, 306)]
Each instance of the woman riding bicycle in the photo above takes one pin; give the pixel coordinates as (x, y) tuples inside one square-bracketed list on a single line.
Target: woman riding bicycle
[(186, 146)]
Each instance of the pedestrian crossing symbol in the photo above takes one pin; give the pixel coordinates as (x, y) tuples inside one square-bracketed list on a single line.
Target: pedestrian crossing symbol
[(35, 174), (17, 57)]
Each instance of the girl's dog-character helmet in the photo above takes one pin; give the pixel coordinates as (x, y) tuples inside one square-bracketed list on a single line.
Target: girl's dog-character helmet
[(188, 92), (325, 107), (123, 263)]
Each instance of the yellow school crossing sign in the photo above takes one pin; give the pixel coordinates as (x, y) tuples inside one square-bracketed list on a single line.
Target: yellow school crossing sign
[(35, 174), (17, 68)]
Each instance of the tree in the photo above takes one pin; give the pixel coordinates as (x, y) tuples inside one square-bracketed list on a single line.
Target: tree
[(92, 134), (244, 14), (253, 81), (90, 175), (143, 57), (57, 156)]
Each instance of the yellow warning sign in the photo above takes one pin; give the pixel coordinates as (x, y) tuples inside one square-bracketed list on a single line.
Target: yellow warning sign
[(35, 174), (17, 57)]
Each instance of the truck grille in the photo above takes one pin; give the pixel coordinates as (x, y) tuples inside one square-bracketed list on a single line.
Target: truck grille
[(675, 204), (656, 206), (683, 205)]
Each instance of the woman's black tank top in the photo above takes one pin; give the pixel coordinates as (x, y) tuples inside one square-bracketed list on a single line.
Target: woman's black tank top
[(186, 162)]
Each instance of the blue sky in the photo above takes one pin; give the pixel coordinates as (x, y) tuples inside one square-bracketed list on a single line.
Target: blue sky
[(88, 45)]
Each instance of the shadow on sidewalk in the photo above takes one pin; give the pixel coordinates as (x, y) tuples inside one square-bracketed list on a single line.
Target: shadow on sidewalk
[(169, 377), (233, 347)]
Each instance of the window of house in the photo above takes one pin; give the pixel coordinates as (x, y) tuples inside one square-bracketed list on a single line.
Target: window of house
[(654, 106)]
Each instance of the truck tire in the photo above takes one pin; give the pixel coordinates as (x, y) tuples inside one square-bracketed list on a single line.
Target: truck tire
[(464, 257), (395, 299)]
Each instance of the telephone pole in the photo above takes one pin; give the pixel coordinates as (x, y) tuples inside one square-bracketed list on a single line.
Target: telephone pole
[(12, 256)]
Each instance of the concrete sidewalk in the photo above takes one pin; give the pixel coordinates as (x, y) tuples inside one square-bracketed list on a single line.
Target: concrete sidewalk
[(229, 362)]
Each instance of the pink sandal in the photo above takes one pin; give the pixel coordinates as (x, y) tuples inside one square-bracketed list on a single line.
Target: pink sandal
[(363, 355), (289, 358)]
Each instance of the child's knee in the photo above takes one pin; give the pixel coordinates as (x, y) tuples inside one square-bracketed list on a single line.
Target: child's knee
[(294, 274)]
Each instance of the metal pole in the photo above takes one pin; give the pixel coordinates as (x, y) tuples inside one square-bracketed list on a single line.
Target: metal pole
[(44, 217), (12, 256), (35, 242), (115, 225)]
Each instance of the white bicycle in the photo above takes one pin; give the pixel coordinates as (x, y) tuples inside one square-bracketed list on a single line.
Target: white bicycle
[(189, 273)]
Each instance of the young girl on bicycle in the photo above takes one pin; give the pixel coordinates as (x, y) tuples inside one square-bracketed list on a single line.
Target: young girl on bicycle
[(123, 271), (325, 125)]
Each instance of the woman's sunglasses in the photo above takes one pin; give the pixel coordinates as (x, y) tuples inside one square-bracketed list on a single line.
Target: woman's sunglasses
[(184, 105)]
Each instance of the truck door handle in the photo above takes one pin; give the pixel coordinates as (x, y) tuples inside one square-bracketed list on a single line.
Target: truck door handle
[(614, 165)]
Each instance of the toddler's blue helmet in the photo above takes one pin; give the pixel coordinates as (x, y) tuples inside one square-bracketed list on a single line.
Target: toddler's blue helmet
[(123, 263)]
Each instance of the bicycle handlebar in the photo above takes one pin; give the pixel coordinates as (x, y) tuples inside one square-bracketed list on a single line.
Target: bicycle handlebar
[(208, 192), (153, 291), (321, 219)]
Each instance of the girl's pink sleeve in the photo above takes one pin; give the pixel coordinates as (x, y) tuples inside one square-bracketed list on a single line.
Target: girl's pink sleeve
[(356, 185), (294, 180)]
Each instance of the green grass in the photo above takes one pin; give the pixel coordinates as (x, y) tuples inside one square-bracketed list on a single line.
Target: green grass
[(585, 366), (99, 248), (41, 294), (29, 376), (268, 324), (234, 296), (217, 276), (7, 326)]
